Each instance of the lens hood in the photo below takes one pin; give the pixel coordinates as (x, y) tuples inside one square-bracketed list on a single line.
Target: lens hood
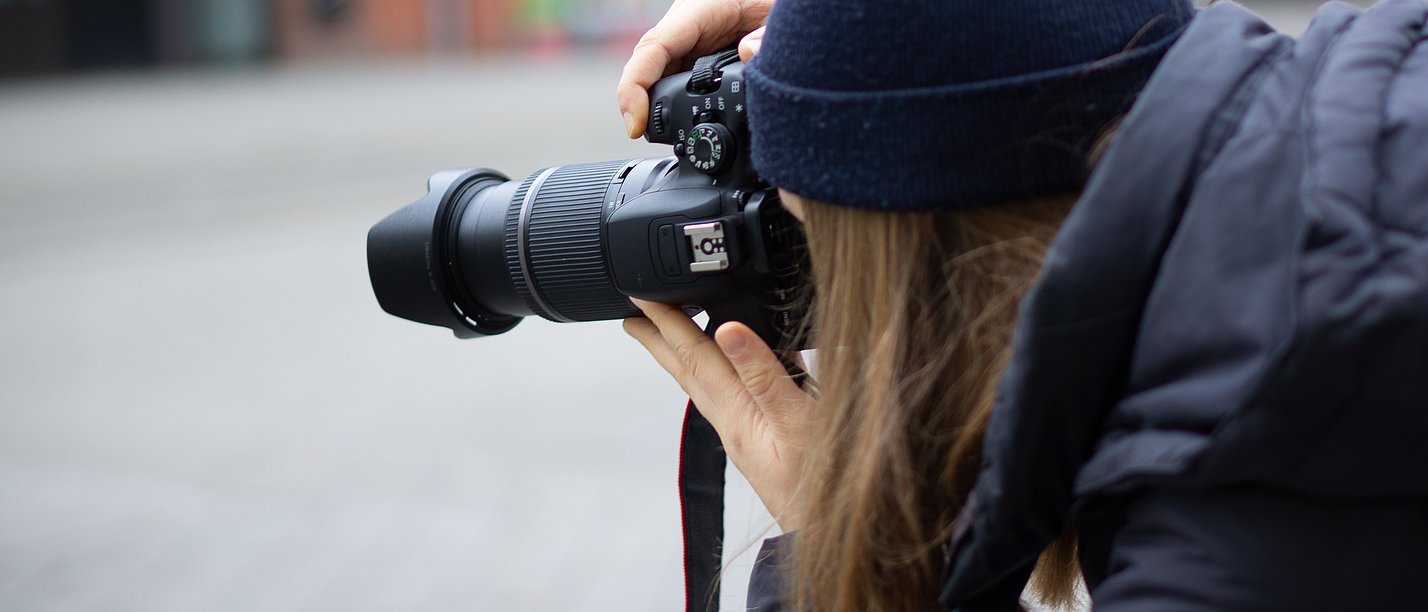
[(409, 257)]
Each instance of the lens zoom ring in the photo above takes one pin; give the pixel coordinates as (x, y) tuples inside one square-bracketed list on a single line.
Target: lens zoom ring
[(565, 245), (513, 255)]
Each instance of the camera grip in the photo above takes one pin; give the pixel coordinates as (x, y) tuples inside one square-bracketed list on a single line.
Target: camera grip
[(749, 312)]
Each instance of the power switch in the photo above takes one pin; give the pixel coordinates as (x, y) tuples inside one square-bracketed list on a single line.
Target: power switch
[(668, 251)]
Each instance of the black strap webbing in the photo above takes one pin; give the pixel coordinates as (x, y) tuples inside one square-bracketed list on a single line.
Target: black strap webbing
[(701, 509), (701, 499)]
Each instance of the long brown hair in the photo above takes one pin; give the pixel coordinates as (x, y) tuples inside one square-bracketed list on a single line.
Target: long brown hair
[(913, 319)]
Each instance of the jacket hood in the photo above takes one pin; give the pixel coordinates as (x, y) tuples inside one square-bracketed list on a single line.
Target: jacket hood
[(1240, 297)]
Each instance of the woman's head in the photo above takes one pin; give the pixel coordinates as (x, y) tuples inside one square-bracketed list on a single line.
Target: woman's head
[(934, 148)]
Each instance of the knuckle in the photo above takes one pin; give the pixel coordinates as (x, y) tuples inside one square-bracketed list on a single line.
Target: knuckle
[(760, 381), (688, 354), (655, 43), (728, 11)]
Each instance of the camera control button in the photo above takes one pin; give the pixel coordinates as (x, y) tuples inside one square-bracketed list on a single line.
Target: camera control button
[(668, 251)]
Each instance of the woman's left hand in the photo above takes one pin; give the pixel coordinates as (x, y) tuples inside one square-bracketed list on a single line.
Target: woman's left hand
[(739, 385)]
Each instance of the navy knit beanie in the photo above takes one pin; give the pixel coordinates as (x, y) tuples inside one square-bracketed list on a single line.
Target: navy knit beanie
[(944, 104)]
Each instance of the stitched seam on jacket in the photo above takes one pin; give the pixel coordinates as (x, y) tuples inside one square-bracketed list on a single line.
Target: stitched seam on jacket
[(1286, 350), (1371, 214), (1419, 44)]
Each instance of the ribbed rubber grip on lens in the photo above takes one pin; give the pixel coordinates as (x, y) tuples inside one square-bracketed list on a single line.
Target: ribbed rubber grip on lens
[(513, 256), (564, 248)]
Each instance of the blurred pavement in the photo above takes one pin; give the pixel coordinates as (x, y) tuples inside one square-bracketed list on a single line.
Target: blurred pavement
[(203, 408)]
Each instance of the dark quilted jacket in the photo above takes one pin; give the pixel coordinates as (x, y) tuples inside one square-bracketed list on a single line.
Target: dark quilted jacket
[(1240, 297)]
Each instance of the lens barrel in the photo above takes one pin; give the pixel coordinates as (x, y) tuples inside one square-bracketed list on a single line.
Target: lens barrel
[(478, 252), (555, 243)]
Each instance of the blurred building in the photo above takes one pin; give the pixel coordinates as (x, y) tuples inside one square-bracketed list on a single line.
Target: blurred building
[(48, 36)]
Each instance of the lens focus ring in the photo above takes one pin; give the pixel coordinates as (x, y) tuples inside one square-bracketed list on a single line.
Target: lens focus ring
[(555, 246)]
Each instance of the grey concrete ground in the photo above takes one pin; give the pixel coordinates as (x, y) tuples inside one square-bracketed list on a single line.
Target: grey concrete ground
[(203, 408)]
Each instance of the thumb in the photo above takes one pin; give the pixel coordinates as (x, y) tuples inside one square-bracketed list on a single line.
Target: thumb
[(749, 46), (759, 369)]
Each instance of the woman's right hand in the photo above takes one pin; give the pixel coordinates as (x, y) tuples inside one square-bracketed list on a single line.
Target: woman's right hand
[(738, 384), (690, 29)]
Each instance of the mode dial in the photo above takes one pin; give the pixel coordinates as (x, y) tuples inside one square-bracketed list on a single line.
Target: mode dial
[(709, 148)]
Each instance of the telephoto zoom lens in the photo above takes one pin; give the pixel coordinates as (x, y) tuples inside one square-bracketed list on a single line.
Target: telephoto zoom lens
[(478, 252), (554, 246)]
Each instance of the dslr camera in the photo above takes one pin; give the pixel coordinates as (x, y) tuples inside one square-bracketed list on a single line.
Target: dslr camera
[(479, 251)]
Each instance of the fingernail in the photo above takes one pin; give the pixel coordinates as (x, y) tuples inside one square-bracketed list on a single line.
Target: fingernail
[(640, 304), (629, 123), (749, 46), (734, 344)]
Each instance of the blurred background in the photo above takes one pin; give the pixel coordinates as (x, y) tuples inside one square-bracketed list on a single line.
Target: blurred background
[(202, 406), (48, 36)]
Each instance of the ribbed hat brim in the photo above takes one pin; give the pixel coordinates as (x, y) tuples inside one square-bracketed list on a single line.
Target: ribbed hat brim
[(941, 147)]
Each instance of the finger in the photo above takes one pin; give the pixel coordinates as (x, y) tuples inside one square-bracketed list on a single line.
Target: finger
[(749, 45), (700, 366), (760, 371), (684, 336), (687, 30), (654, 56), (644, 331), (645, 67)]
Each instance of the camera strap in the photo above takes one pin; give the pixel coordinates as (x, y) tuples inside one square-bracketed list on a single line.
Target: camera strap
[(701, 499), (701, 510)]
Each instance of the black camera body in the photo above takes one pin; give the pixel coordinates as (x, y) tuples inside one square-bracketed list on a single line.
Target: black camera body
[(570, 243)]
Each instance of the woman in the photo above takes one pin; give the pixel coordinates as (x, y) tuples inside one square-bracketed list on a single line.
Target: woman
[(1219, 376)]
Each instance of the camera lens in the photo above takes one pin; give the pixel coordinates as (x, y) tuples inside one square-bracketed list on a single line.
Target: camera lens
[(555, 247), (478, 252)]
